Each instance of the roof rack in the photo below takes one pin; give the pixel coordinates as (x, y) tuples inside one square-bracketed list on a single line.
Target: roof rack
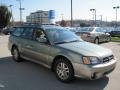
[(31, 24), (40, 24), (44, 25)]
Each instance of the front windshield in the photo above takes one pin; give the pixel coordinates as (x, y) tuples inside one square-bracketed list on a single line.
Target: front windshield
[(61, 35), (100, 29)]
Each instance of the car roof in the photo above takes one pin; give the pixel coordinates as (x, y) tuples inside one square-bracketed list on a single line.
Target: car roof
[(42, 26)]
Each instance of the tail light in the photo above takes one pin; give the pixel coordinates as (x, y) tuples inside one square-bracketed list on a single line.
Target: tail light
[(87, 34)]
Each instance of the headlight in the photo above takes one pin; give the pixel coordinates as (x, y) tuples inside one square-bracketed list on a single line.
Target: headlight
[(90, 60)]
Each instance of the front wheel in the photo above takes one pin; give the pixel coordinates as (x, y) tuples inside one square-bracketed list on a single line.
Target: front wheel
[(15, 54), (64, 70), (108, 38)]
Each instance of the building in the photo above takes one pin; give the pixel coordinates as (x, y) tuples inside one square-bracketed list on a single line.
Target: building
[(38, 17)]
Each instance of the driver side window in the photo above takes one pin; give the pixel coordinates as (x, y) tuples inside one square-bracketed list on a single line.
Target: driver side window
[(40, 36)]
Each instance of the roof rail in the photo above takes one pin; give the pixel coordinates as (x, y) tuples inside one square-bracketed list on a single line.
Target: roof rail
[(40, 24), (31, 24)]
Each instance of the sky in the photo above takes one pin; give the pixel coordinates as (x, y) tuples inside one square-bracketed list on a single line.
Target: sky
[(81, 8)]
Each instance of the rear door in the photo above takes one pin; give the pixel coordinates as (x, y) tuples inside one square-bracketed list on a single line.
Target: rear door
[(35, 45), (27, 42), (104, 34)]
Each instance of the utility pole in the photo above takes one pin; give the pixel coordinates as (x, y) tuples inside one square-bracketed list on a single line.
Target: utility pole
[(71, 14), (106, 20), (62, 16), (20, 11), (101, 19)]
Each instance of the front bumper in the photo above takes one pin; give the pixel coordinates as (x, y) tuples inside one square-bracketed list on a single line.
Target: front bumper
[(93, 71)]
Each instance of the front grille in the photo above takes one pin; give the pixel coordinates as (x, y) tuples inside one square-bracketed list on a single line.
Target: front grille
[(107, 59)]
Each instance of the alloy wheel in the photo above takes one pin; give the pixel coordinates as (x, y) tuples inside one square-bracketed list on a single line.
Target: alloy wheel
[(62, 71), (16, 55)]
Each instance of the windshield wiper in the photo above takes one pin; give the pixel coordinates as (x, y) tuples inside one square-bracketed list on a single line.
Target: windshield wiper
[(67, 42), (75, 41)]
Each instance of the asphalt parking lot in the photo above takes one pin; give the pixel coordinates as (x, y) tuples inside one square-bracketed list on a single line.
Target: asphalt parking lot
[(31, 76)]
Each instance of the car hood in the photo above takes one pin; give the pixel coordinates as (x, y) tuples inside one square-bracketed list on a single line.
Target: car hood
[(86, 49)]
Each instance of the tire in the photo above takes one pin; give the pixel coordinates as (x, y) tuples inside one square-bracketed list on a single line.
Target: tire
[(108, 38), (16, 54), (64, 70), (96, 41)]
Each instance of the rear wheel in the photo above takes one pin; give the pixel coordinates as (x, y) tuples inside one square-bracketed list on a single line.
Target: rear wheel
[(63, 70), (15, 54), (96, 41), (108, 38)]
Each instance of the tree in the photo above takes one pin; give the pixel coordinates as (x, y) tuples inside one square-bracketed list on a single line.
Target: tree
[(63, 23), (5, 16)]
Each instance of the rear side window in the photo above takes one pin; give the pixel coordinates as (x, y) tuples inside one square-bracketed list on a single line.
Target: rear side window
[(100, 30), (28, 32), (17, 32)]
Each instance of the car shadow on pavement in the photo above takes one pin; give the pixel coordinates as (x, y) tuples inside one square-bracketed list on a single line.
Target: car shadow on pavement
[(31, 76), (98, 84)]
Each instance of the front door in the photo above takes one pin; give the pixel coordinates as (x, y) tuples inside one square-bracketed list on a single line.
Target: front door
[(40, 46)]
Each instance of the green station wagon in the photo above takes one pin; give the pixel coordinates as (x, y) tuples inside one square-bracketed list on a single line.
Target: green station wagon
[(62, 51)]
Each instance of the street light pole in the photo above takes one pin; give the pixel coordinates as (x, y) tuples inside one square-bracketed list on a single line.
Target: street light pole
[(95, 17), (94, 11), (116, 8), (71, 14)]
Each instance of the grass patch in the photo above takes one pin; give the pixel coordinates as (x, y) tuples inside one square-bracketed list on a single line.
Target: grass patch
[(115, 39)]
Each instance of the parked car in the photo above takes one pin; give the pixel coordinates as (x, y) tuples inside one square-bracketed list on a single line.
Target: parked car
[(109, 29), (94, 34), (1, 28), (115, 32), (62, 51), (7, 31)]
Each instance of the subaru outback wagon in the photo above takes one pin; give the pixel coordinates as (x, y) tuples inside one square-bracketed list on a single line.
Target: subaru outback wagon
[(62, 51)]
